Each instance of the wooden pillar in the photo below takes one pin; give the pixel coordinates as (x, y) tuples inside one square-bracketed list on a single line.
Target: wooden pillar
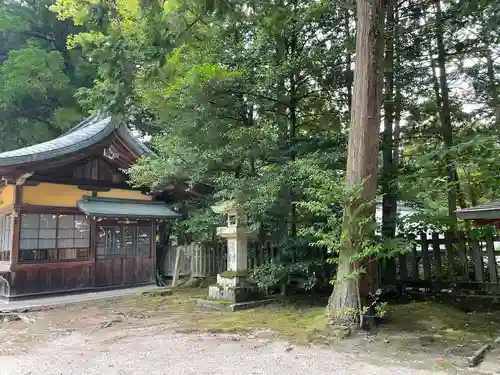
[(93, 250), (153, 252), (16, 230)]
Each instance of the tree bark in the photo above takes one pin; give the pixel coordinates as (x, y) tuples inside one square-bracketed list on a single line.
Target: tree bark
[(348, 61), (492, 87), (452, 187), (362, 155), (389, 167), (398, 100), (292, 134)]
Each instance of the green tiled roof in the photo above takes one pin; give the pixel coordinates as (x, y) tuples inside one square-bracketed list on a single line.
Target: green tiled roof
[(484, 211), (87, 133), (129, 208)]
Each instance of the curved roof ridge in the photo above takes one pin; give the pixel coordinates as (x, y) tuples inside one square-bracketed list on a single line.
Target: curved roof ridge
[(83, 123), (86, 133)]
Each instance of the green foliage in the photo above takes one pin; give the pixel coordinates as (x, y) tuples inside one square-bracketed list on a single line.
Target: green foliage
[(39, 76), (252, 99), (198, 226), (32, 74), (222, 103), (270, 275)]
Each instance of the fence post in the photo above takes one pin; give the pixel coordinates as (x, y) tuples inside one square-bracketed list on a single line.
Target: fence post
[(425, 256), (413, 259), (389, 270), (477, 257), (194, 261), (492, 262), (436, 247), (462, 255), (450, 254), (175, 278), (403, 267)]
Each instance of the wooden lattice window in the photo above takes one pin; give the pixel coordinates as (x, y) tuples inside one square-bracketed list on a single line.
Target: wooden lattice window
[(124, 241), (51, 237), (5, 237)]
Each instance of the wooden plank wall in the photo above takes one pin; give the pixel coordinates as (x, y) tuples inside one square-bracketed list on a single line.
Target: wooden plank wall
[(122, 271), (35, 280), (443, 261)]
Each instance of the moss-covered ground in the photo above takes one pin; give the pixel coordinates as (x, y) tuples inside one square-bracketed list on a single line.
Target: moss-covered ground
[(304, 319)]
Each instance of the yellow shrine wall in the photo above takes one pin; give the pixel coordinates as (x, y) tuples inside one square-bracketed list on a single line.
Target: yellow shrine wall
[(124, 194), (58, 195), (7, 196)]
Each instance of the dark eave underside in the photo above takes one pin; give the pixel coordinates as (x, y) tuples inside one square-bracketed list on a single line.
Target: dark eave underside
[(127, 208), (488, 211)]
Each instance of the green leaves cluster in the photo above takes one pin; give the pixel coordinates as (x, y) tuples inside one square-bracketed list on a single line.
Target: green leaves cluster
[(39, 76)]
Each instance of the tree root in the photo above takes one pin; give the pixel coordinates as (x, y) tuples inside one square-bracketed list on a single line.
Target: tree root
[(479, 354), (14, 316), (341, 331)]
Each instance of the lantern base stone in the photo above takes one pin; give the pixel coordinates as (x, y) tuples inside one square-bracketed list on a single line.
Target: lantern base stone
[(234, 289)]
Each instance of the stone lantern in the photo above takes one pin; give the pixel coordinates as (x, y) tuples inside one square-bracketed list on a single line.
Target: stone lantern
[(233, 284)]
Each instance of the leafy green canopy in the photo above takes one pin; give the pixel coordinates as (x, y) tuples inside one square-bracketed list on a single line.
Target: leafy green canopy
[(39, 75), (252, 98)]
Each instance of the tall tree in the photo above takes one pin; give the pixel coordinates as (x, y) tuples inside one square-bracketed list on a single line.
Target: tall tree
[(389, 144), (362, 156)]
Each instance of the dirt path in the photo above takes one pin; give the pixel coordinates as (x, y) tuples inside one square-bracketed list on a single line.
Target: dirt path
[(156, 350), (169, 335)]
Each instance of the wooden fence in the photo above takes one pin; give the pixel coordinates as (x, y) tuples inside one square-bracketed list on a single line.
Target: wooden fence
[(207, 260), (436, 262), (439, 261)]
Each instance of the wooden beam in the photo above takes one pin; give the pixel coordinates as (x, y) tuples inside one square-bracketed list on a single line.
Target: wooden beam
[(79, 182), (94, 188), (6, 210), (55, 264), (16, 227), (31, 183), (485, 222), (22, 179), (29, 208)]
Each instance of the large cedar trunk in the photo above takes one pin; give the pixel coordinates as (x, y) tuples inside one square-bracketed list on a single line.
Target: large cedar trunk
[(389, 144), (362, 157), (452, 187), (389, 166)]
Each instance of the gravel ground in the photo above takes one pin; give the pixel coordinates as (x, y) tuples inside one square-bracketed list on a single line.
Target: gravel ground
[(156, 350)]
